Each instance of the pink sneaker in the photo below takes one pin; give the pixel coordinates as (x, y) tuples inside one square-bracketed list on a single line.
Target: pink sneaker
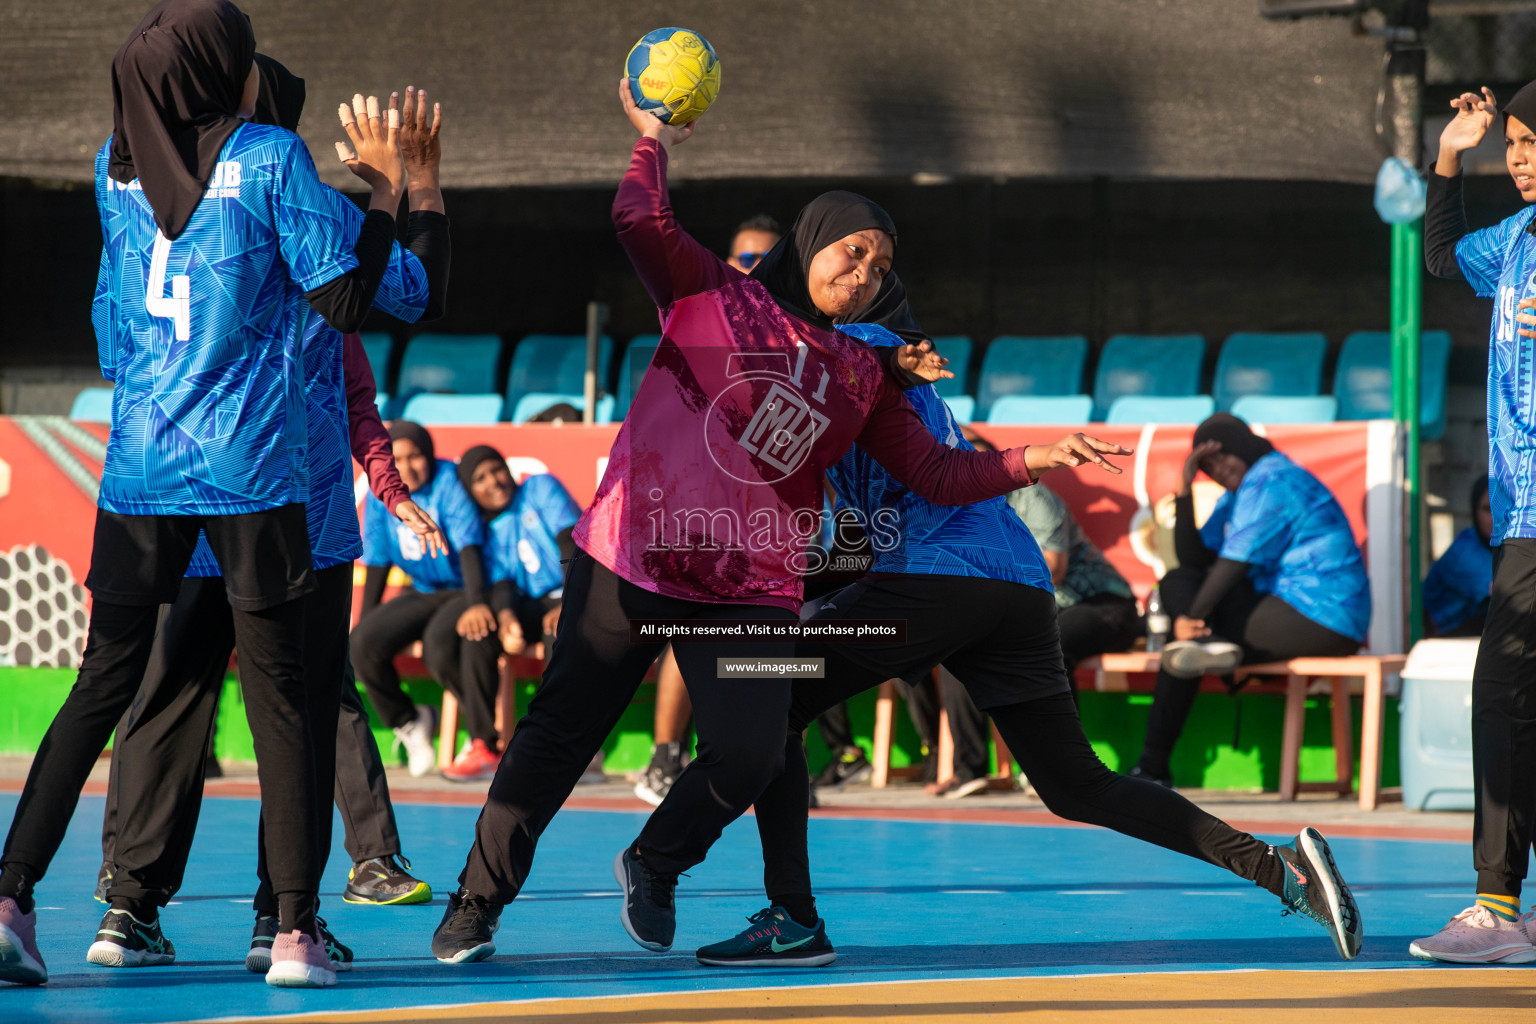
[(20, 962), (1477, 936), (299, 960)]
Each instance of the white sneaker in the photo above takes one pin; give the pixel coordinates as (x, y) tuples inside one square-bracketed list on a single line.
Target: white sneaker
[(1478, 936), (1191, 659), (416, 737)]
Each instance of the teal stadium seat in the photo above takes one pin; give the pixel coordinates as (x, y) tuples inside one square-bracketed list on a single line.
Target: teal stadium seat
[(632, 367), (93, 405), (1060, 410), (1155, 365), (457, 364), (1362, 380), (379, 347), (554, 363), (957, 349), (381, 401), (446, 410), (1274, 409), (530, 405), (1269, 364), (1015, 365), (1138, 409), (962, 408)]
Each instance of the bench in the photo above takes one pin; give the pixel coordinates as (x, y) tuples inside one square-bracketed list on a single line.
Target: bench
[(885, 730), (1294, 677)]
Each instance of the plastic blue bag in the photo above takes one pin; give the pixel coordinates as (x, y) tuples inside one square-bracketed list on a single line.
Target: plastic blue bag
[(1400, 192)]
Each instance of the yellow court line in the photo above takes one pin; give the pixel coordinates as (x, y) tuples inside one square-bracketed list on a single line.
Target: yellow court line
[(1413, 996)]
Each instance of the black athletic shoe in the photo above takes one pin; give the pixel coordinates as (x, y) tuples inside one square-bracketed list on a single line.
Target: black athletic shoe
[(847, 768), (647, 913), (464, 934), (667, 763), (383, 882), (125, 941), (1314, 888), (259, 959), (103, 882), (774, 940), (339, 955)]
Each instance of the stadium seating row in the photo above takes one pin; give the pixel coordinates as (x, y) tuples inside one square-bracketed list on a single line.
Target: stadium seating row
[(1267, 378)]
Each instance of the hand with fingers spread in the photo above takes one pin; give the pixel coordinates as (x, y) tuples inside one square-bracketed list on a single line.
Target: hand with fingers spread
[(1474, 116), (1197, 455), (374, 155), (1072, 451), (420, 145), (923, 361), (648, 124)]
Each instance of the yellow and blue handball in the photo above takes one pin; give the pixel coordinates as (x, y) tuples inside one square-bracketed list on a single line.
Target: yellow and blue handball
[(674, 74)]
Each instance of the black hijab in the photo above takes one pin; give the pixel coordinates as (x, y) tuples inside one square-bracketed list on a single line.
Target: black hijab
[(824, 220), (409, 430), (1234, 437), (176, 86), (282, 95), (1522, 106), (469, 462)]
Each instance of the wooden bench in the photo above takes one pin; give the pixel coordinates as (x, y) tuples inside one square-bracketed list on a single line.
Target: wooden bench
[(1294, 677), (885, 729)]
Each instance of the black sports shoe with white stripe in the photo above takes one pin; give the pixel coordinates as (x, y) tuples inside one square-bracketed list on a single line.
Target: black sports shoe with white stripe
[(647, 913), (125, 941), (465, 933), (1314, 888)]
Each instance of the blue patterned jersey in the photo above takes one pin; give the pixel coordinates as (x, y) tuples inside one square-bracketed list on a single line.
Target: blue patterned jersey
[(332, 509), (911, 535), (1500, 263), (1458, 585), (521, 543), (1289, 528), (387, 541), (202, 335)]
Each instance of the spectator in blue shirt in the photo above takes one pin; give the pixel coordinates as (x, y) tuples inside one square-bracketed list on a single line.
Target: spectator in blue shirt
[(385, 629), (528, 536), (1456, 591), (1274, 574)]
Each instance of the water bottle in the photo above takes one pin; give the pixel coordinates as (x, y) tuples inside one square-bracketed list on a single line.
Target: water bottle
[(1158, 623)]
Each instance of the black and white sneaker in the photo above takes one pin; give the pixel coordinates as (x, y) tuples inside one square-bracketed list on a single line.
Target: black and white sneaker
[(667, 763), (647, 913), (1314, 888), (464, 934), (125, 941), (103, 882), (259, 959), (848, 768), (385, 882), (1191, 659)]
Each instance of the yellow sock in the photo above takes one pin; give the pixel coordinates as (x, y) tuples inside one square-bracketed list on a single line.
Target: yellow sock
[(1507, 907)]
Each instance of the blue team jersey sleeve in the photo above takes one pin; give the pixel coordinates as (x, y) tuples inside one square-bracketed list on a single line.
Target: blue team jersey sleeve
[(376, 533), (312, 234), (104, 319), (460, 516), (1261, 523), (403, 289), (552, 502), (1481, 256), (1213, 532)]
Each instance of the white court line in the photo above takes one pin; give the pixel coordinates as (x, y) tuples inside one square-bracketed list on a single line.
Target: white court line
[(1211, 892), (970, 892), (1092, 892)]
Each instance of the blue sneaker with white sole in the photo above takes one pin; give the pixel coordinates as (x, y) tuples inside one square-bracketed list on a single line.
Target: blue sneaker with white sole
[(1314, 888), (774, 940)]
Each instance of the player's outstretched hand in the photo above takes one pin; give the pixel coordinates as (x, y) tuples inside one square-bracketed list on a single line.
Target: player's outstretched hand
[(420, 146), (1072, 451), (421, 524), (923, 361), (374, 155), (648, 124)]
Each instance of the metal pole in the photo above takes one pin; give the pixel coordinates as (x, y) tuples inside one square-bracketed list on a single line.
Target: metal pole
[(597, 319)]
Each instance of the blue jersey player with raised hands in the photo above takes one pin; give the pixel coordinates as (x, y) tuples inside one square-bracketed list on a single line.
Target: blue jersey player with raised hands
[(1499, 262), (215, 232)]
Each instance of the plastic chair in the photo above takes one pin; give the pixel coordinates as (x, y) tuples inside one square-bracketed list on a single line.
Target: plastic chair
[(1137, 409), (379, 347), (1062, 410), (459, 364), (450, 409), (632, 367), (531, 405), (554, 363), (1269, 364), (962, 408), (1160, 365), (1273, 409), (93, 405), (1362, 381), (957, 349), (381, 401), (1017, 365)]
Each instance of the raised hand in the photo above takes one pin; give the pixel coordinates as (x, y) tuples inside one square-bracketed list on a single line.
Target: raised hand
[(1474, 116), (420, 146), (922, 361), (648, 124), (1072, 451), (375, 152)]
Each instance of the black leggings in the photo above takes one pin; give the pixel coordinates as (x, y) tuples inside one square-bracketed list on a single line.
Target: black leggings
[(591, 676), (1264, 626), (1007, 622), (383, 632)]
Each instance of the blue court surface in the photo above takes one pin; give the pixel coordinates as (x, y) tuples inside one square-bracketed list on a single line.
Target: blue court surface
[(904, 901)]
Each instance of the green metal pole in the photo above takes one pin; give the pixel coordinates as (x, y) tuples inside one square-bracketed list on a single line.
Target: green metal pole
[(1407, 278)]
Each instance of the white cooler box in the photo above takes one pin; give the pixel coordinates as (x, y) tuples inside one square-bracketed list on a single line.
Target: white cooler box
[(1435, 739)]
